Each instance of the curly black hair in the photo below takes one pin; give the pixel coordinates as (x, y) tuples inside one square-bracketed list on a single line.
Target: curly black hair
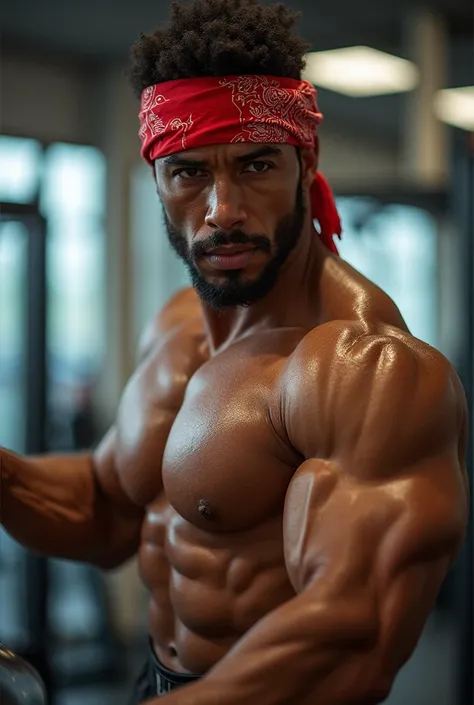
[(219, 38)]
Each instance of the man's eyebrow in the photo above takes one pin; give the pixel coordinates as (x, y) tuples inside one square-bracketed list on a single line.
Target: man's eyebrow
[(178, 160)]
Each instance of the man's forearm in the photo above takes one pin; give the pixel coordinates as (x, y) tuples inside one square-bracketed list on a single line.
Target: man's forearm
[(49, 504), (300, 653)]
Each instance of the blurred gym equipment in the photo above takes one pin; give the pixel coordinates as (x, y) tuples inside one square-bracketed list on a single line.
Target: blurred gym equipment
[(20, 683)]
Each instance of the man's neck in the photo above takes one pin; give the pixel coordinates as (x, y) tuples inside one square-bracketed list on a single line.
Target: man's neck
[(292, 302)]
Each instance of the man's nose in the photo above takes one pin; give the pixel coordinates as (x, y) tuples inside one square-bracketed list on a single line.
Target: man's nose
[(226, 209)]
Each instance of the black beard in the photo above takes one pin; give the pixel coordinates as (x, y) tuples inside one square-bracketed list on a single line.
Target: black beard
[(235, 291)]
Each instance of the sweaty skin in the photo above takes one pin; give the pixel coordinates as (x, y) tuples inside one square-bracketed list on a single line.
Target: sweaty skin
[(296, 496)]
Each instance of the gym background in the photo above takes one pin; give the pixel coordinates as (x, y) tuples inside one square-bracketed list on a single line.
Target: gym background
[(84, 263)]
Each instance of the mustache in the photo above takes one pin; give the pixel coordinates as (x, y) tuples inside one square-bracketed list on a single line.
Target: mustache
[(236, 237)]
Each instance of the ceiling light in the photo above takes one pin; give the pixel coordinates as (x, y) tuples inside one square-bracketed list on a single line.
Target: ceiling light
[(360, 71), (455, 106)]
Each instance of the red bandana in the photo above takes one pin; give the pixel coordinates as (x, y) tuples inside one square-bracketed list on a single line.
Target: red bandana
[(197, 112)]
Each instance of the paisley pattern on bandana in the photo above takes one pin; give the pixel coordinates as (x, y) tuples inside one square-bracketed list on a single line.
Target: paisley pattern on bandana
[(270, 113), (188, 113)]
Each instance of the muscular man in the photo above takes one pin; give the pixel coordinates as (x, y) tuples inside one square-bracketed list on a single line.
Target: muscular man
[(287, 459)]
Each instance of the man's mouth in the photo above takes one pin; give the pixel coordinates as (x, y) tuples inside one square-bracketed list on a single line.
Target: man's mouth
[(230, 256)]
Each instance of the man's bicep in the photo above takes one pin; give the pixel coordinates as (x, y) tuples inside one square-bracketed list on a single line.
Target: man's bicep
[(376, 514), (332, 527), (382, 432), (373, 556)]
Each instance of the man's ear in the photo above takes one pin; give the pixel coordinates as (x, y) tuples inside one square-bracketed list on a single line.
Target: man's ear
[(309, 164)]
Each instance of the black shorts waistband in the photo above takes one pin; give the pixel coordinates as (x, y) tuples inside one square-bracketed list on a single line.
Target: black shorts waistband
[(164, 679)]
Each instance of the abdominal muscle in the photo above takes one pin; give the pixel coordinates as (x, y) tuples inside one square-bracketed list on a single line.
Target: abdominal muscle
[(207, 589)]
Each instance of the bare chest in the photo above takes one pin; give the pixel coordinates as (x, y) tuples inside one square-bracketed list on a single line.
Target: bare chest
[(213, 455), (222, 465)]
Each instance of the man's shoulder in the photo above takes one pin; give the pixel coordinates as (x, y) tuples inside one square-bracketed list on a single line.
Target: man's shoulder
[(355, 347), (344, 376)]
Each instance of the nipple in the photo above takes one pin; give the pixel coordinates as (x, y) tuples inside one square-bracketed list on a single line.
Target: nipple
[(206, 510)]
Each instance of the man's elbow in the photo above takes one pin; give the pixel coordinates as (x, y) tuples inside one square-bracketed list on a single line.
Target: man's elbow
[(375, 695)]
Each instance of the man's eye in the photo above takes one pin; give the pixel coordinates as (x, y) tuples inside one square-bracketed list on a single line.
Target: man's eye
[(258, 167), (189, 173)]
